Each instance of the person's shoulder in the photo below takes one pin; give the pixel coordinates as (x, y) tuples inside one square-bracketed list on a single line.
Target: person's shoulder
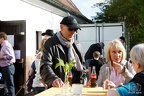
[(51, 40), (6, 44), (91, 61), (127, 89), (94, 45), (98, 44), (100, 62), (104, 66)]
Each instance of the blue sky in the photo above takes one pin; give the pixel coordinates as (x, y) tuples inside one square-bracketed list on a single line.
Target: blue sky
[(85, 7)]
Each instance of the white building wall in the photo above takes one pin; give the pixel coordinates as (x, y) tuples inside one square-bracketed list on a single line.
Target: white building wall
[(36, 18)]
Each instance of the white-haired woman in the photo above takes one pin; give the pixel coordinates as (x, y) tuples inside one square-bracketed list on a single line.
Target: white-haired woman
[(136, 86), (120, 71)]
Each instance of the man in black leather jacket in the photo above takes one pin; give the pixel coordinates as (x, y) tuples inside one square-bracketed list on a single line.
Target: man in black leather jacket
[(58, 46)]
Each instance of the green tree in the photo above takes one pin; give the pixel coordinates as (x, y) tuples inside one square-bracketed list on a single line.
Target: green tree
[(129, 11)]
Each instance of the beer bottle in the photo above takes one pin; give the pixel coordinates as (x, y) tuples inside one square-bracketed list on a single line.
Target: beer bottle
[(93, 77), (70, 78)]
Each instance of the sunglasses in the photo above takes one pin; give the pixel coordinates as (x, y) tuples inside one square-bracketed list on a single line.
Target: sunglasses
[(72, 29)]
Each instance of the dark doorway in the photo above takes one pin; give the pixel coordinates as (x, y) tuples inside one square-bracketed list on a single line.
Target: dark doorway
[(18, 30)]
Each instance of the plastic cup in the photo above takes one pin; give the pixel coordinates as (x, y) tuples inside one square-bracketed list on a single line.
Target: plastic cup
[(77, 89)]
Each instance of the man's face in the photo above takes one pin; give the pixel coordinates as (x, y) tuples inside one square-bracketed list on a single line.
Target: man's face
[(122, 40), (67, 33)]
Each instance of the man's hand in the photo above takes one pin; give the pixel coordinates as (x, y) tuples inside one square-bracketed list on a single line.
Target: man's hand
[(57, 83)]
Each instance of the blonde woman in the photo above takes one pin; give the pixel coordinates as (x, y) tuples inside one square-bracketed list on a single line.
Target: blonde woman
[(136, 86), (120, 71), (38, 84)]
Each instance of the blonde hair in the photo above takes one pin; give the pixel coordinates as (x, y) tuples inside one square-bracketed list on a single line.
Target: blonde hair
[(43, 42), (96, 54), (115, 43)]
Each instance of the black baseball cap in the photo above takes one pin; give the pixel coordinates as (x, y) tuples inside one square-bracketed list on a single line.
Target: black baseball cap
[(70, 22)]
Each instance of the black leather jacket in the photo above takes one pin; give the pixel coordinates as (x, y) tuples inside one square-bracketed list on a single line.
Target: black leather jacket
[(53, 50)]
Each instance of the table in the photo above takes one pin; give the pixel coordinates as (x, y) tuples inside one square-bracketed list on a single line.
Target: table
[(87, 91)]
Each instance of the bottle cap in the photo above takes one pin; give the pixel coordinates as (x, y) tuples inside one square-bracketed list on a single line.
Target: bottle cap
[(70, 75)]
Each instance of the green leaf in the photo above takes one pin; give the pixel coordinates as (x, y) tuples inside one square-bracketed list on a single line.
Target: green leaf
[(61, 63), (66, 67)]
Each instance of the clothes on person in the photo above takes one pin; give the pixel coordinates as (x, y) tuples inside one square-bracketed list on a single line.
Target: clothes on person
[(62, 45), (91, 50), (37, 85), (59, 51), (126, 91), (31, 77), (136, 86), (117, 70), (87, 63), (1, 78), (115, 77), (1, 84), (97, 64), (7, 60), (33, 66)]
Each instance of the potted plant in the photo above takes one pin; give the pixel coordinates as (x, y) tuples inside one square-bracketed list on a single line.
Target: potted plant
[(67, 69)]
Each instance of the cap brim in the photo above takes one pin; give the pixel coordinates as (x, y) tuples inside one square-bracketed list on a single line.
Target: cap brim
[(74, 27)]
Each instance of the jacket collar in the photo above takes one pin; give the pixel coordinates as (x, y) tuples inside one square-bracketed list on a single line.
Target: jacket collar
[(57, 43)]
